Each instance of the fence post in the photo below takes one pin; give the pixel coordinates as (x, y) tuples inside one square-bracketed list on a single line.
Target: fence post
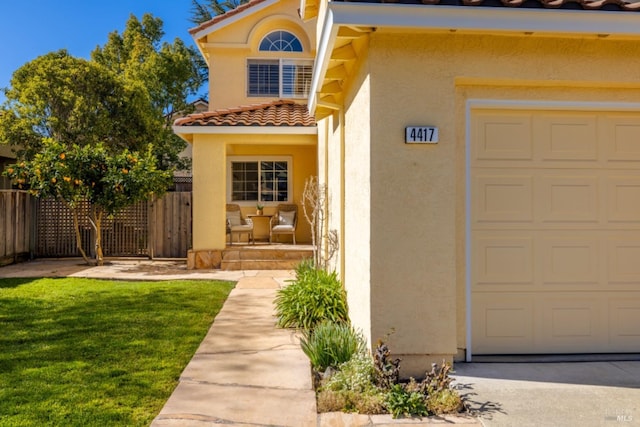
[(33, 224), (151, 229)]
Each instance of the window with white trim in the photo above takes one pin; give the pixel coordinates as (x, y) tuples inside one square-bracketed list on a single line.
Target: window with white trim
[(284, 78), (280, 41), (254, 179)]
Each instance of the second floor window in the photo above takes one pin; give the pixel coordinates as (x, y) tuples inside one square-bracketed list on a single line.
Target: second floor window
[(280, 41), (279, 77)]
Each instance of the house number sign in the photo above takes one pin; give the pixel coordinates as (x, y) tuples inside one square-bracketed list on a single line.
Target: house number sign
[(421, 135)]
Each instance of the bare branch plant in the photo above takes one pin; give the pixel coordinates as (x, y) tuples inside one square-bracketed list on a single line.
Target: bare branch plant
[(314, 205)]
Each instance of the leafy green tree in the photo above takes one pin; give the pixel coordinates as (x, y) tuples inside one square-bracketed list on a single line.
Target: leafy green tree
[(84, 133), (73, 101), (169, 72), (205, 10), (77, 173)]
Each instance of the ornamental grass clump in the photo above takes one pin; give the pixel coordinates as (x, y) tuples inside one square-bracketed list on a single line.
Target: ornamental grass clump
[(314, 296), (331, 344)]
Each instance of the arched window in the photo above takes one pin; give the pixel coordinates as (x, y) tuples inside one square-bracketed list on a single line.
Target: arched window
[(280, 41)]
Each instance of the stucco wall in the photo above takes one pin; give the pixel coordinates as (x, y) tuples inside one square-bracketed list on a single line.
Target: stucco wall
[(7, 151), (330, 151), (230, 47), (209, 192), (417, 192), (209, 179), (413, 208), (358, 210)]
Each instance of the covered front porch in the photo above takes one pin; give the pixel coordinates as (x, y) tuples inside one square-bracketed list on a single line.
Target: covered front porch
[(252, 158)]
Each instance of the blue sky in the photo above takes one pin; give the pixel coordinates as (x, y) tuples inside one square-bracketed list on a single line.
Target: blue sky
[(30, 28)]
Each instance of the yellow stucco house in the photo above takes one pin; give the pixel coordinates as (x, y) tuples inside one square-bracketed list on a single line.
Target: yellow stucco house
[(482, 159), (257, 144)]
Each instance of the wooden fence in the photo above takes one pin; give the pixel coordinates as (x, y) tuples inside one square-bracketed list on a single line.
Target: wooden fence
[(16, 231), (155, 229), (170, 232)]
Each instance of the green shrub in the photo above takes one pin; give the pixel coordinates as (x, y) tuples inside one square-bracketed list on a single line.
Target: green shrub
[(400, 402), (370, 385), (356, 374), (331, 344), (314, 296), (351, 388), (446, 401)]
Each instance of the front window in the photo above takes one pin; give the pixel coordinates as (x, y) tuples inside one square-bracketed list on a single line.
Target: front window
[(279, 78), (260, 180)]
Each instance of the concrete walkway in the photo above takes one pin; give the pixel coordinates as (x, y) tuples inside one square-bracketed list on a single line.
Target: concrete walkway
[(246, 371)]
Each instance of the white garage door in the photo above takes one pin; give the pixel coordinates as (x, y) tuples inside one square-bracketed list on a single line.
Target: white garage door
[(555, 231)]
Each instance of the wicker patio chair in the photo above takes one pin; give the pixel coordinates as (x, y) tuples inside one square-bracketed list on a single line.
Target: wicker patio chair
[(238, 225), (284, 221)]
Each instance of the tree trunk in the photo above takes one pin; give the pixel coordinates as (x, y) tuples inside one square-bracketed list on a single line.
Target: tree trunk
[(97, 224), (76, 226)]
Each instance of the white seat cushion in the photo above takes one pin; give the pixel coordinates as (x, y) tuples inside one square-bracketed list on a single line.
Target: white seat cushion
[(241, 227), (283, 228)]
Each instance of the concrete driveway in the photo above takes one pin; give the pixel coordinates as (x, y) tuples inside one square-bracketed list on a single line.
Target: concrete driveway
[(552, 394)]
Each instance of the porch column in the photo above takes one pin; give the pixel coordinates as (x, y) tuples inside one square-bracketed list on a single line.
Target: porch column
[(209, 193)]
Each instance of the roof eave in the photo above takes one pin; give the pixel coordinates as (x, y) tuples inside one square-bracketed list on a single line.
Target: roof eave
[(308, 9), (486, 19), (493, 20), (199, 34), (187, 132)]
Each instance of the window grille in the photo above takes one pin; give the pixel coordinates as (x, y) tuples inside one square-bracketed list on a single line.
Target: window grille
[(280, 41), (260, 180)]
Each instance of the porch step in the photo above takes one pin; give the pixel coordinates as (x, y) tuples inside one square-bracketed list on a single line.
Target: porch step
[(256, 258)]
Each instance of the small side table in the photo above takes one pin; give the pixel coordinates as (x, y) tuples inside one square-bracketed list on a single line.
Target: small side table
[(268, 217)]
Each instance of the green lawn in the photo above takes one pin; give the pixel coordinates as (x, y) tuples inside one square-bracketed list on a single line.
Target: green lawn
[(83, 352)]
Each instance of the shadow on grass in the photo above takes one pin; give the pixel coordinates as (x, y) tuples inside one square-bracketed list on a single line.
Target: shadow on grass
[(14, 283)]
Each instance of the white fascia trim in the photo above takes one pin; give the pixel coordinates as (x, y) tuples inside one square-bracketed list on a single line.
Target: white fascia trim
[(469, 18), (486, 19), (468, 240), (323, 55), (245, 130), (228, 21)]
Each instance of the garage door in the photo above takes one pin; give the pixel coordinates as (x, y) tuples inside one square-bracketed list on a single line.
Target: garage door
[(555, 231)]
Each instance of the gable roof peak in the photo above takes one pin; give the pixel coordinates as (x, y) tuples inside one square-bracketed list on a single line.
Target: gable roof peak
[(238, 12)]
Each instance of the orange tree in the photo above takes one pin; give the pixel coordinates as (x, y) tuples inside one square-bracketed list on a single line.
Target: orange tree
[(82, 132), (74, 174)]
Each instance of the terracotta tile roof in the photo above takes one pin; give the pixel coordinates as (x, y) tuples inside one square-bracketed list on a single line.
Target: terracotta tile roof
[(277, 113), (228, 14), (615, 5)]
